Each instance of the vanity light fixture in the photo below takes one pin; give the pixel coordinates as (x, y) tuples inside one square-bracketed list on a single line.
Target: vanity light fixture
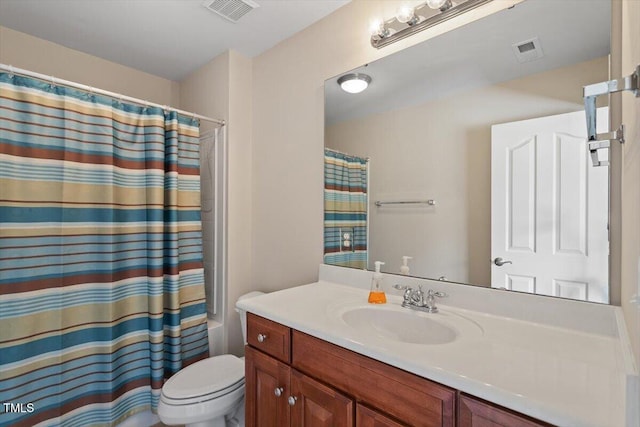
[(354, 82), (408, 21)]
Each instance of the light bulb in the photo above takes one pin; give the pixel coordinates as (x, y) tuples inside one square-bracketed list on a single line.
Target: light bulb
[(439, 4), (354, 83), (405, 14), (376, 28), (379, 31), (354, 86)]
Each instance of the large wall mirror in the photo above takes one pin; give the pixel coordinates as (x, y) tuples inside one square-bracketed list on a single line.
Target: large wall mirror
[(467, 153)]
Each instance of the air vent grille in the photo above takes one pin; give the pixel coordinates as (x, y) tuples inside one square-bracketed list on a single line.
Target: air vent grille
[(523, 48), (232, 10), (528, 50)]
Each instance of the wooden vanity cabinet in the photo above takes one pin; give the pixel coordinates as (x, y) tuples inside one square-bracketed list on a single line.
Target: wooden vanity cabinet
[(276, 395), (314, 404), (325, 381), (294, 379)]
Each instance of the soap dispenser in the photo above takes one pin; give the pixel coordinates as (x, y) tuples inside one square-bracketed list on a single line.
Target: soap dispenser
[(377, 296), (404, 268)]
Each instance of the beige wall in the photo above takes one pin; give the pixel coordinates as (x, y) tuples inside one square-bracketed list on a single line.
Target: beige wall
[(34, 54), (239, 252), (222, 88), (206, 90), (288, 121), (442, 150), (630, 291)]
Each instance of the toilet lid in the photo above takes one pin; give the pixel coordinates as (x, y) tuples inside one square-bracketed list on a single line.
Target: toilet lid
[(205, 377)]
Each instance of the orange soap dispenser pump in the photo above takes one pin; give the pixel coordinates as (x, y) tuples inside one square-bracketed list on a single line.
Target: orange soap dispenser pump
[(377, 296)]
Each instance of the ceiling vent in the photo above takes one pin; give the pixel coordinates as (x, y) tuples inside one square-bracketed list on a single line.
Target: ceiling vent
[(528, 50), (232, 10)]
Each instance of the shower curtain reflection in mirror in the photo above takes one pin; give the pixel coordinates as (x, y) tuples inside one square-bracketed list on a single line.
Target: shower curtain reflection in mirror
[(345, 209)]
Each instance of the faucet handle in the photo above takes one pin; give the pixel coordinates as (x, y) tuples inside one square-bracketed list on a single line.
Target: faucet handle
[(432, 293), (401, 287)]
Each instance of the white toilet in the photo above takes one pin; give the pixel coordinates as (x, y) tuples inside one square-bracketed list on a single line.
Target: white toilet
[(208, 393)]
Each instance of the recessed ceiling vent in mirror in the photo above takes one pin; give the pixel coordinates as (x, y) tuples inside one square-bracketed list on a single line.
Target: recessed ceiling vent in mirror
[(232, 10), (528, 50)]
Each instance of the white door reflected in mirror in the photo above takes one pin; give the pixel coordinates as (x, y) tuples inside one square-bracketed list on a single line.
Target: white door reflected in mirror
[(549, 209)]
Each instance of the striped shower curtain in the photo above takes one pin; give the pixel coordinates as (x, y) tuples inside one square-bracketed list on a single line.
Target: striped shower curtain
[(345, 210), (101, 279)]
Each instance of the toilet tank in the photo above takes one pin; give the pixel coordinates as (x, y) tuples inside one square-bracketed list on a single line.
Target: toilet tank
[(243, 314)]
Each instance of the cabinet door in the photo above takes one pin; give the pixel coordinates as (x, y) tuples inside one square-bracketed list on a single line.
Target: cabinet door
[(266, 390), (474, 412), (316, 405), (366, 417)]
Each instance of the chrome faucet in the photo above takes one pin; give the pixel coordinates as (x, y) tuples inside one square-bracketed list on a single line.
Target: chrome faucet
[(415, 298)]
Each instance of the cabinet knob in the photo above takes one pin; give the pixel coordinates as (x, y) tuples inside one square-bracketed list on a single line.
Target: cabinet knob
[(262, 337), (278, 391), (292, 400)]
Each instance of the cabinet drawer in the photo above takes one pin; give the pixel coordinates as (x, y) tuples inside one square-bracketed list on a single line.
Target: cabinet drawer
[(269, 337), (408, 398), (475, 412)]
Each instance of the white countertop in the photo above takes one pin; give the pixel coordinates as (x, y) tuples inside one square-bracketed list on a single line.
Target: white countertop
[(563, 376)]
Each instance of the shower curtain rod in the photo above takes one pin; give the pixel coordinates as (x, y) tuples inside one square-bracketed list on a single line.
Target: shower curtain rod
[(346, 154), (118, 96)]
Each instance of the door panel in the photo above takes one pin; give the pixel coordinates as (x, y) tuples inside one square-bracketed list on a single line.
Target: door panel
[(570, 188), (521, 201), (521, 283), (318, 405), (366, 417), (263, 375)]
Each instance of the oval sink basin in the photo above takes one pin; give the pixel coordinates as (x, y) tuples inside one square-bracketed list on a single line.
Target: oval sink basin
[(410, 326)]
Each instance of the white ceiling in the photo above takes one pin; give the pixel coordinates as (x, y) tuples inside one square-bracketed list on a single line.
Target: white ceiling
[(476, 55), (168, 38)]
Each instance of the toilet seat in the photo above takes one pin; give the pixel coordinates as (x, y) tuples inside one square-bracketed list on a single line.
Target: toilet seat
[(204, 380)]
